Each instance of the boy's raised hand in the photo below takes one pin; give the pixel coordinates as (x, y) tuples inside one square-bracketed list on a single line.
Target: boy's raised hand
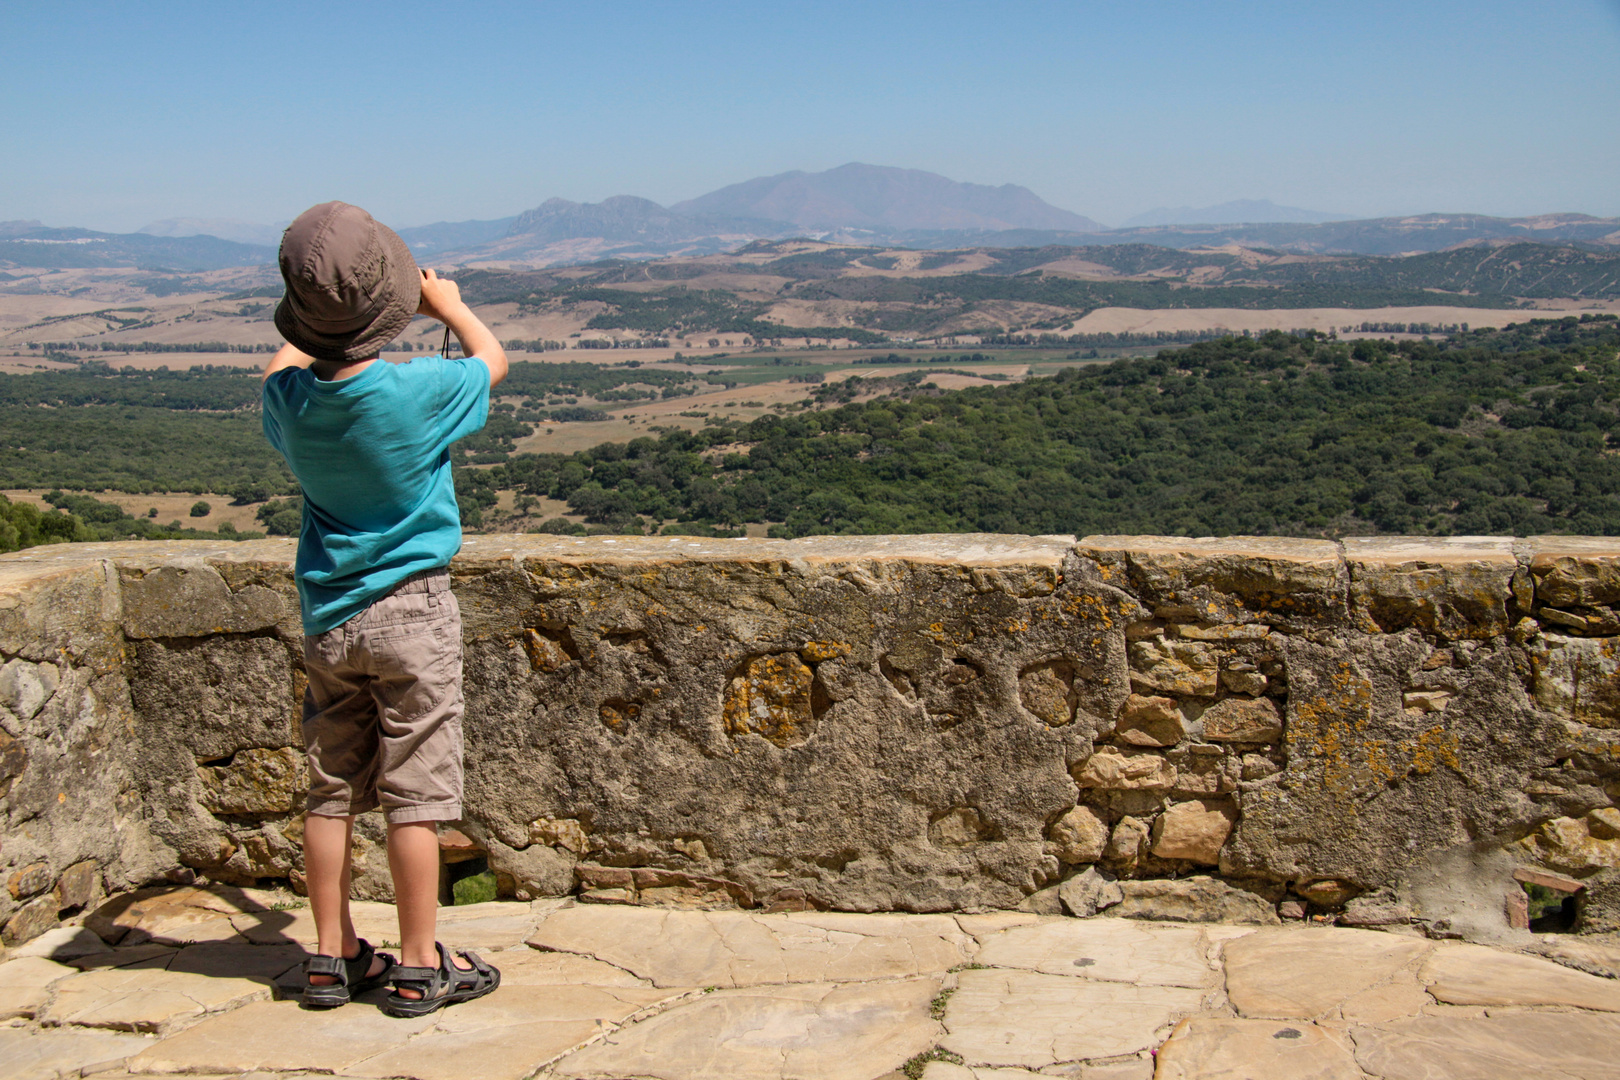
[(438, 296), (442, 300)]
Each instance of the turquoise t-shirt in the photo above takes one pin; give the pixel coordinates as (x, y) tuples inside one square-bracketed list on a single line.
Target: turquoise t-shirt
[(372, 453)]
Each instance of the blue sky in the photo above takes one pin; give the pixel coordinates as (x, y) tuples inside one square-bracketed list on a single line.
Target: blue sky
[(117, 114)]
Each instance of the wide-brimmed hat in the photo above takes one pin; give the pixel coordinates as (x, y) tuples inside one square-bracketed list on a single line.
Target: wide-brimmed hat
[(352, 285)]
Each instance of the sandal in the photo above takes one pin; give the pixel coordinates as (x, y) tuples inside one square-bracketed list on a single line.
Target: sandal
[(440, 986), (350, 975)]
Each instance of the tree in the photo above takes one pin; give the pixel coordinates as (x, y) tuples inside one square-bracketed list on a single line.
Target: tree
[(200, 509)]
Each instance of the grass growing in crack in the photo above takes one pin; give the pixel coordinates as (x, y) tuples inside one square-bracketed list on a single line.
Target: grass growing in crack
[(936, 1008), (914, 1068), (289, 905), (970, 966)]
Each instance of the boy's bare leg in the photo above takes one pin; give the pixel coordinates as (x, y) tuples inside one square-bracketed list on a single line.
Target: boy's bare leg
[(413, 859), (327, 843)]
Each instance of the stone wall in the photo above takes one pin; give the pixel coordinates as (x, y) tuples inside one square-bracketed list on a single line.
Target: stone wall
[(873, 723)]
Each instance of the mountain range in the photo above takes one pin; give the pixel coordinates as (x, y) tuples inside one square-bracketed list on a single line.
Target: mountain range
[(853, 204), (1238, 212)]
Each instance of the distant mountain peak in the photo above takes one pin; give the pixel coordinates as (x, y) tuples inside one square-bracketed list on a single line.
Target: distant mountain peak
[(884, 198), (1236, 212), (242, 232)]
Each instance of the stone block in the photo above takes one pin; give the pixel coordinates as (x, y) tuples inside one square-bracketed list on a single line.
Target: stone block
[(224, 693), (1120, 771), (1151, 721), (771, 698), (1250, 683), (31, 880), (255, 782), (77, 886), (1454, 587), (1327, 893), (13, 759), (1184, 668), (65, 943), (1604, 823), (1237, 579), (1088, 892), (1194, 831), (1080, 836), (1125, 845), (1243, 720), (190, 598), (1568, 844), (1575, 571), (30, 920), (1194, 899), (1579, 678), (25, 687), (566, 833), (1046, 693)]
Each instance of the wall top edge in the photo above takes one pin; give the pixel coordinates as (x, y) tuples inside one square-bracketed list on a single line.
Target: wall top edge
[(969, 549), (1263, 547)]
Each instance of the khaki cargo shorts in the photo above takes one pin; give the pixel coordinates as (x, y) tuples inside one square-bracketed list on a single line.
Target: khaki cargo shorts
[(382, 715)]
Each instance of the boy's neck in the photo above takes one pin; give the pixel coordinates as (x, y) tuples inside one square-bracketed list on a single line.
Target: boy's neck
[(337, 370)]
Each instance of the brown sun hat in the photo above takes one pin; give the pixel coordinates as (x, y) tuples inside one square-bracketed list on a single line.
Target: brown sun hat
[(352, 285)]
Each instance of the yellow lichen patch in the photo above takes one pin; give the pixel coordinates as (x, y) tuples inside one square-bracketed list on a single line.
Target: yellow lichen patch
[(1379, 765), (1330, 727), (544, 654), (816, 652), (771, 698), (1437, 746), (615, 714)]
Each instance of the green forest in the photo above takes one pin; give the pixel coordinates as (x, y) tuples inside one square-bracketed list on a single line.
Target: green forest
[(1507, 432), (1500, 432)]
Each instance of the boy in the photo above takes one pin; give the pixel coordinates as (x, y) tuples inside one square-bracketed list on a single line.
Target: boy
[(369, 442)]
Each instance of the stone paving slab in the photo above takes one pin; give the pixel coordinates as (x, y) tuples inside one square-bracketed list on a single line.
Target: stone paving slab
[(147, 999), (525, 966), (808, 1031), (1219, 1049), (999, 1017), (47, 1055), (1112, 950), (1477, 975), (280, 1036), (509, 1034), (1135, 1069), (734, 948), (1307, 972), (595, 992), (63, 943), (1543, 1045), (25, 984)]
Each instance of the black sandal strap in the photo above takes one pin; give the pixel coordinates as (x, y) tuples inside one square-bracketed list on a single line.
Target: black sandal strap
[(404, 974), (332, 966), (480, 970)]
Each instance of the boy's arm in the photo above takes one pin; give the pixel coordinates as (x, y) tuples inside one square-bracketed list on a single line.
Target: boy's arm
[(441, 300), (287, 356)]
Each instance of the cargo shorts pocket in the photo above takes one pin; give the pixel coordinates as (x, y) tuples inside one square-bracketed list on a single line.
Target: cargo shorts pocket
[(416, 669)]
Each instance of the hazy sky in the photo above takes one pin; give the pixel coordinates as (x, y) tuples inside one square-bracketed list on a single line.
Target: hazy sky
[(114, 115)]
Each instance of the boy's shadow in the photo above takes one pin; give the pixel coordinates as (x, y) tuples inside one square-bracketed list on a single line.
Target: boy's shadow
[(216, 931)]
